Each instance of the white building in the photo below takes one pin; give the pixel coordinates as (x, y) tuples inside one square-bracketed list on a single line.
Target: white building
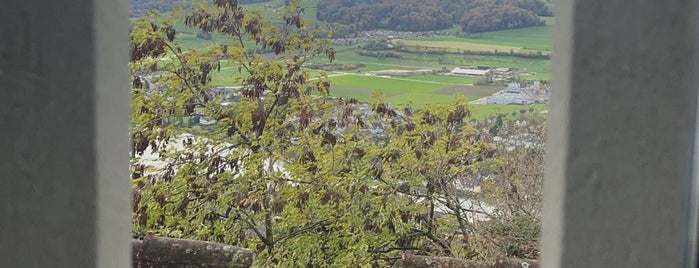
[(515, 94), (468, 72), (502, 70)]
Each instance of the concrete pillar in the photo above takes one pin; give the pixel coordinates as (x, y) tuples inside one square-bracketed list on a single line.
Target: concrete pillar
[(64, 118), (618, 183)]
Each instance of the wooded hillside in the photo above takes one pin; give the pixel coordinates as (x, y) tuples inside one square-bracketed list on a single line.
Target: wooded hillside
[(138, 8), (426, 15)]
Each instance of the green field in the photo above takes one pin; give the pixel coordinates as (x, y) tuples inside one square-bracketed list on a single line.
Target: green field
[(534, 38), (417, 90), (541, 67), (399, 92), (443, 79), (538, 38), (456, 45)]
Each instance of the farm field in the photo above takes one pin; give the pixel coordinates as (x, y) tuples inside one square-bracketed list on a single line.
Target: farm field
[(447, 79), (399, 92), (523, 40), (540, 37), (542, 67), (417, 90), (456, 45)]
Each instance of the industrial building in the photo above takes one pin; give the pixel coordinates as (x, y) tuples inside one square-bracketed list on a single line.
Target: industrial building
[(516, 94), (468, 72)]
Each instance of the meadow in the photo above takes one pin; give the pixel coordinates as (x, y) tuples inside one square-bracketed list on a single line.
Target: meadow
[(455, 46), (533, 38), (408, 61), (398, 91)]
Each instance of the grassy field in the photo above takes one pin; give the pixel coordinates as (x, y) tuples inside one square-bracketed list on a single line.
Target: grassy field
[(457, 45), (417, 90), (226, 77), (399, 91), (541, 67), (443, 79), (527, 39), (534, 38)]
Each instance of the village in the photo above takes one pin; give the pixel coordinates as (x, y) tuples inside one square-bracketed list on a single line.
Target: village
[(519, 93)]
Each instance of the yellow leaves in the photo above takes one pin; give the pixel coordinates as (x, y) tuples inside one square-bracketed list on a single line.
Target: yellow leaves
[(376, 98), (237, 52)]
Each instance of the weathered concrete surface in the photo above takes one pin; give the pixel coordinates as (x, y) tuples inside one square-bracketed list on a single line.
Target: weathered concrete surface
[(163, 252), (63, 134), (618, 181)]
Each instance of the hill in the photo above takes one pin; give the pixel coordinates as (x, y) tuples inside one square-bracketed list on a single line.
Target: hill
[(427, 15)]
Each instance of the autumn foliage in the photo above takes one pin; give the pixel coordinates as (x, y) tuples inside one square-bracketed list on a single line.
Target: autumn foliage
[(428, 15)]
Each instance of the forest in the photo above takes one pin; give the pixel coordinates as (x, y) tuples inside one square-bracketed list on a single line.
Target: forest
[(406, 15), (428, 15)]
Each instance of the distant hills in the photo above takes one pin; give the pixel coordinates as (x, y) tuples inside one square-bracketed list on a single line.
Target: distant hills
[(407, 15), (426, 15)]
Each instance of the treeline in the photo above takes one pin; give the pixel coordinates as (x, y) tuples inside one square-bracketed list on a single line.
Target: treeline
[(529, 55), (429, 15), (138, 8), (334, 66), (442, 51), (487, 16), (377, 54), (399, 15)]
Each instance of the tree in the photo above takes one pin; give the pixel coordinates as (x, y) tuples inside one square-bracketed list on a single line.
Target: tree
[(301, 178), (512, 187)]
